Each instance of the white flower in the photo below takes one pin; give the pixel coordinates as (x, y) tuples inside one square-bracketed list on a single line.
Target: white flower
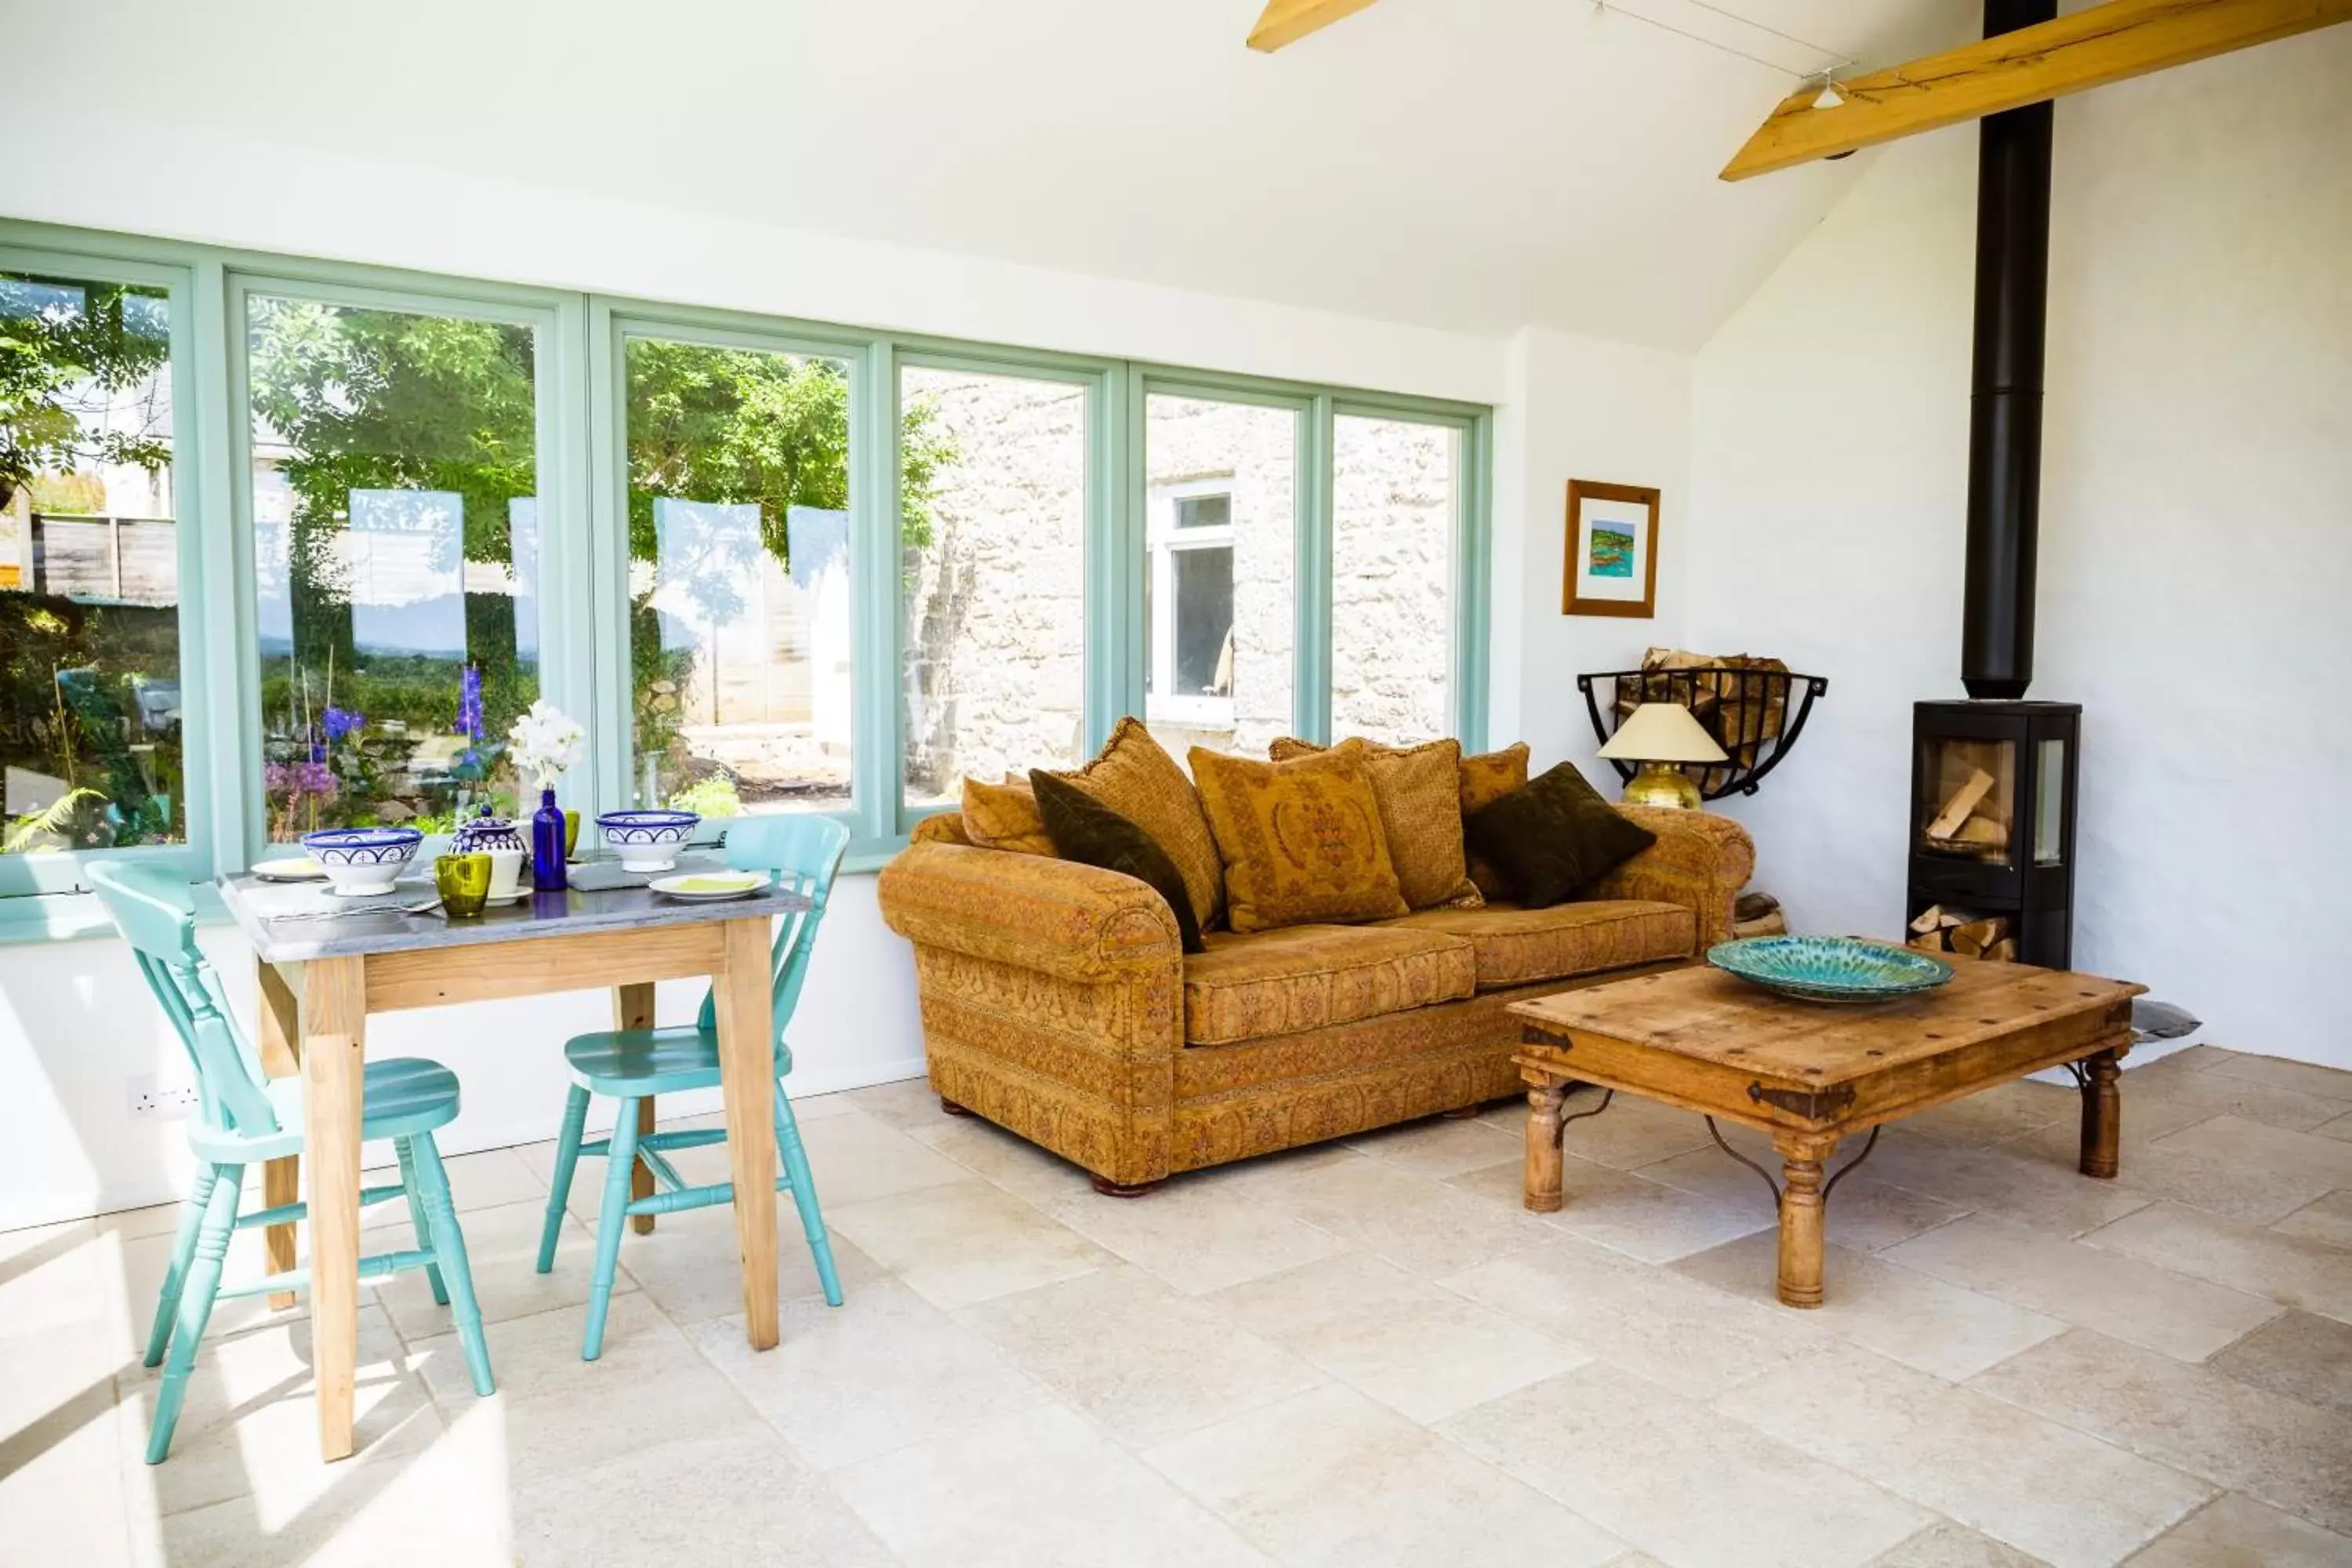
[(546, 743)]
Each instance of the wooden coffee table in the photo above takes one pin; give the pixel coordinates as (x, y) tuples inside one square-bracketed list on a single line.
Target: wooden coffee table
[(1810, 1074)]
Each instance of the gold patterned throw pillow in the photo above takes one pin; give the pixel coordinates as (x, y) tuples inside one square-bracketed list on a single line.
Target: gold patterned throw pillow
[(1485, 779), (1418, 789), (1301, 841), (1004, 816), (1138, 780)]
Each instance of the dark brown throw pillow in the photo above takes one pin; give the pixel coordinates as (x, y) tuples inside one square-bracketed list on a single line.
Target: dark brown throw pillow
[(1084, 830), (1553, 836)]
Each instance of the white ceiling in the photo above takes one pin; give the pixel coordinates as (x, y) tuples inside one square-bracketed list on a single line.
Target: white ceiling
[(1476, 166)]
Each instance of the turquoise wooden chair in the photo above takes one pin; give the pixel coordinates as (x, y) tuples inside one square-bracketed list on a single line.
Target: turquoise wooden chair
[(243, 1118), (802, 853)]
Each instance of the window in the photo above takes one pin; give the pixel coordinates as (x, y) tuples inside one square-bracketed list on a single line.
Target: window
[(288, 544), (740, 606), (1189, 595), (90, 713), (395, 518), (1220, 537), (1396, 496), (993, 482)]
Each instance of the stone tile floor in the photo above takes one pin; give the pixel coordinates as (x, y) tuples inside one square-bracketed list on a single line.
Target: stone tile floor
[(1360, 1355)]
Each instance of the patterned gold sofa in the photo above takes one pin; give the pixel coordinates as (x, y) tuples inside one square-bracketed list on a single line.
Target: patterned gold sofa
[(1057, 1003)]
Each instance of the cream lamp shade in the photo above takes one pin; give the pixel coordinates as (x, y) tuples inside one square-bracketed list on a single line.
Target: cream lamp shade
[(1662, 732), (1659, 735)]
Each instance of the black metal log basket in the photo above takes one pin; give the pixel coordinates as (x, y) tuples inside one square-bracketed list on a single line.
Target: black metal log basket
[(1755, 715)]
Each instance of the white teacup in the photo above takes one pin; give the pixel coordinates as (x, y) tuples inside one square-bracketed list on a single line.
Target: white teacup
[(506, 872)]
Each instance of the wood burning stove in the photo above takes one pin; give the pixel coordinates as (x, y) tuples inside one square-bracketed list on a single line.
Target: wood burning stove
[(1992, 822), (1992, 779)]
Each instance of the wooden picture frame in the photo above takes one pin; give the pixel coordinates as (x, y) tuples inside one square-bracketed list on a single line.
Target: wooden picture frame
[(1599, 574)]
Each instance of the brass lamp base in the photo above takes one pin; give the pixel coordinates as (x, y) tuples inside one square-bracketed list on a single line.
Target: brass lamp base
[(1662, 785)]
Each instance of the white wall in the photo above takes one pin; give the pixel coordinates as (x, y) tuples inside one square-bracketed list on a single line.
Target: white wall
[(2196, 524), (1584, 408), (75, 1023)]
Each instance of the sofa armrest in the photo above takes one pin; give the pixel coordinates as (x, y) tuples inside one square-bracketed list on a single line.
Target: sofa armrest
[(1700, 861), (1057, 917)]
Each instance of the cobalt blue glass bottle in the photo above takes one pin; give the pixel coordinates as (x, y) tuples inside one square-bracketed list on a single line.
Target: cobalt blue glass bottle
[(547, 843)]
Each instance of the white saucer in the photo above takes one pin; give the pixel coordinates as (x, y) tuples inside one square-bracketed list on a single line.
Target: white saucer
[(298, 868), (730, 885)]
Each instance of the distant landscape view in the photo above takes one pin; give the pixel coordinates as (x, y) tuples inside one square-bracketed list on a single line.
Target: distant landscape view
[(1611, 551)]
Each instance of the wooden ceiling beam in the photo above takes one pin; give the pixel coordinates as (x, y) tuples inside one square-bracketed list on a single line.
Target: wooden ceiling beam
[(2091, 48), (1288, 21)]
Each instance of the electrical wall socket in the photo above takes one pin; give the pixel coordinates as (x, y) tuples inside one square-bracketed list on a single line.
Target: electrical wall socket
[(166, 1101)]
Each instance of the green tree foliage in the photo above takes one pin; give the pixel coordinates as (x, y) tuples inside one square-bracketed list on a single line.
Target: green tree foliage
[(68, 351)]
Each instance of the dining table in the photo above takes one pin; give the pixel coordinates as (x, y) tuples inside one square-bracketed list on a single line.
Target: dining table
[(326, 965)]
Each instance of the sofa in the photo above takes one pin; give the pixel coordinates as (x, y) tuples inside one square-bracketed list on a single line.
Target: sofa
[(1057, 1003)]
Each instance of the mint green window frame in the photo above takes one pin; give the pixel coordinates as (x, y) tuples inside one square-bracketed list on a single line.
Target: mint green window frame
[(580, 404), (52, 876)]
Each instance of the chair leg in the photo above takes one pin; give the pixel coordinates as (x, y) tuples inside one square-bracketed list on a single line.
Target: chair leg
[(619, 1161), (183, 1246), (196, 1305), (567, 1160), (419, 1219), (804, 1185), (432, 1190)]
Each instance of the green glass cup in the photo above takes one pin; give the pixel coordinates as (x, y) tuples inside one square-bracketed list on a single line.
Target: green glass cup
[(571, 833), (464, 884)]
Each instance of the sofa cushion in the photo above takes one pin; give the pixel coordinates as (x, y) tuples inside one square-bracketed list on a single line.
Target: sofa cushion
[(1311, 976), (1487, 777), (1134, 776), (1417, 787), (1004, 816), (1517, 946), (1085, 830), (1301, 840), (1555, 837)]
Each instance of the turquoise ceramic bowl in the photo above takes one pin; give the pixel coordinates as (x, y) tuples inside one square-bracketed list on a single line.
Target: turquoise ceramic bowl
[(1830, 968)]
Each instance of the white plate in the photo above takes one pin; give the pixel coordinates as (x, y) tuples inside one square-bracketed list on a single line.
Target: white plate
[(704, 886), (300, 868)]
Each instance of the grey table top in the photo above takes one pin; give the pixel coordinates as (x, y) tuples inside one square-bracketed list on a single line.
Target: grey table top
[(261, 910)]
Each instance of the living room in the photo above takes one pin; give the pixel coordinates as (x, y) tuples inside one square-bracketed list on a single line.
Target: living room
[(1393, 341)]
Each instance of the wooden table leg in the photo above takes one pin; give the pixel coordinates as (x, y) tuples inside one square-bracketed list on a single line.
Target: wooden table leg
[(1545, 1095), (747, 1072), (2102, 1114), (280, 1039), (632, 1008), (334, 1043), (1801, 1219)]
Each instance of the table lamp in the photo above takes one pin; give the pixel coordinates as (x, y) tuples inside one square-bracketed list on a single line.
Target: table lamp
[(1660, 736)]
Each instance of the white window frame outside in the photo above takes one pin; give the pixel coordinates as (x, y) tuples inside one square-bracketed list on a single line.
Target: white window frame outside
[(1164, 541)]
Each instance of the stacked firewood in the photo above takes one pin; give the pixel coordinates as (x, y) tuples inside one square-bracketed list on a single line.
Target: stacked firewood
[(1940, 930)]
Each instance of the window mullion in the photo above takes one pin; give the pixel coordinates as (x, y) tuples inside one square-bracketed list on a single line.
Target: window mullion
[(878, 554), (226, 706), (613, 729), (1311, 688)]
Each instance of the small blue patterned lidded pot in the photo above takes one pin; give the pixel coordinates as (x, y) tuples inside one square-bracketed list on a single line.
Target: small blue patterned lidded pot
[(480, 835)]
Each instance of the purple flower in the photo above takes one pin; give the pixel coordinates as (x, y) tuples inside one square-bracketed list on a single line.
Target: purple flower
[(341, 722), (469, 702), (295, 780)]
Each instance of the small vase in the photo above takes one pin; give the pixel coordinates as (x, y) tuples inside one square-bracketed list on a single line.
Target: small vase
[(547, 845)]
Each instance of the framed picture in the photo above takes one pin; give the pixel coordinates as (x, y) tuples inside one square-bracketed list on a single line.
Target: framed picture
[(1613, 551)]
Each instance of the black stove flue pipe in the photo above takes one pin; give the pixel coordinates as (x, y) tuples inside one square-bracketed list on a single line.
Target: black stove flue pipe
[(2005, 406)]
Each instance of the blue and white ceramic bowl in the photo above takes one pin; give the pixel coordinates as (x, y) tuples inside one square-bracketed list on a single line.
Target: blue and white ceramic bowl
[(1830, 968), (363, 859), (647, 840)]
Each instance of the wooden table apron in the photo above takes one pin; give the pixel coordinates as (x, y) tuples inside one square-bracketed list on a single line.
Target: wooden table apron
[(313, 1020), (1807, 1120)]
